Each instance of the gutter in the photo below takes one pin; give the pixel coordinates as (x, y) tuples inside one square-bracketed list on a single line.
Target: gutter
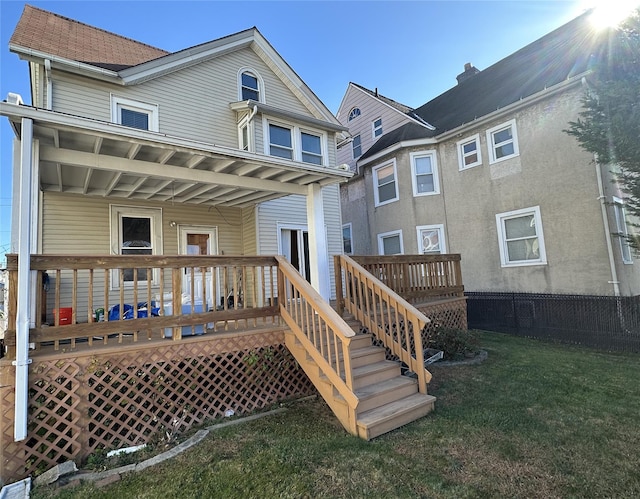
[(74, 66), (607, 230)]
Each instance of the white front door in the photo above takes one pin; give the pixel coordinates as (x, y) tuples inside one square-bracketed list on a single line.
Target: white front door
[(198, 240)]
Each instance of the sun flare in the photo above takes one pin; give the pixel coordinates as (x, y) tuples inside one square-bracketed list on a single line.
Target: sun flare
[(610, 13)]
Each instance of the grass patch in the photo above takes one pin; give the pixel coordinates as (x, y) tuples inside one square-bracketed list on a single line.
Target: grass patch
[(534, 420)]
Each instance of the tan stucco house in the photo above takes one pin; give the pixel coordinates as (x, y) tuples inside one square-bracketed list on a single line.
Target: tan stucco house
[(486, 170)]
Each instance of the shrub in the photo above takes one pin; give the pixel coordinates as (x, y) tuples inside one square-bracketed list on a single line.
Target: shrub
[(454, 342)]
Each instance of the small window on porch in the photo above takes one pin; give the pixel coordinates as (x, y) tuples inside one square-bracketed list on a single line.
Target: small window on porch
[(134, 114), (135, 231)]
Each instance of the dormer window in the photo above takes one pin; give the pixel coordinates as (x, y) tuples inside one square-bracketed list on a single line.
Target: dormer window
[(355, 112), (250, 88)]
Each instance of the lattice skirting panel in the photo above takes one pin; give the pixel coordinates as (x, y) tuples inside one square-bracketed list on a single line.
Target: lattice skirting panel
[(83, 403), (451, 314)]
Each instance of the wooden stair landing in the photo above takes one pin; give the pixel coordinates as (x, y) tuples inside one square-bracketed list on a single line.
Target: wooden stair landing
[(386, 398)]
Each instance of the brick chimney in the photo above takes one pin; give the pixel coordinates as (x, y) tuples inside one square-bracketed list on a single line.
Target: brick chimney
[(469, 71)]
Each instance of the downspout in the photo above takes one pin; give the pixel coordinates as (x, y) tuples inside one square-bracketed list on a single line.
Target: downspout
[(607, 231), (47, 77), (24, 283)]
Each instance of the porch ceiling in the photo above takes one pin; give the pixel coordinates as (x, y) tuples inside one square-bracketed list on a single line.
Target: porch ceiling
[(94, 158)]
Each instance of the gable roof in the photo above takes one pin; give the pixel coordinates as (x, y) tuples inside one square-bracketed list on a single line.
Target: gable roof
[(42, 31), (394, 104), (561, 55), (42, 34)]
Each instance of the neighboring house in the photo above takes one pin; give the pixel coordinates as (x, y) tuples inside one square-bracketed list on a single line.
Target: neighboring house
[(231, 123), (486, 170)]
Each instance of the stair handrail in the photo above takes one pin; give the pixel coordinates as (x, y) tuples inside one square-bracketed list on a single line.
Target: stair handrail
[(312, 319), (376, 305)]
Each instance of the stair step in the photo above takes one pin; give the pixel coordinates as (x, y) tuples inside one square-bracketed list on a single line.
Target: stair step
[(388, 417), (374, 373), (385, 392)]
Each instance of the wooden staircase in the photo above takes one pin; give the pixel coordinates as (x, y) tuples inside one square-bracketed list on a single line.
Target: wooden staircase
[(386, 398)]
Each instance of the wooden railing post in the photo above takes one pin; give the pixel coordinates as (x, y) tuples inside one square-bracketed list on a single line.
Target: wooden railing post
[(337, 267), (176, 283)]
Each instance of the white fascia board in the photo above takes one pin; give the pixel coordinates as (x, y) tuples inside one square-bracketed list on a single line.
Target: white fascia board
[(420, 122), (187, 57), (66, 64), (111, 130), (288, 71), (396, 146), (284, 113)]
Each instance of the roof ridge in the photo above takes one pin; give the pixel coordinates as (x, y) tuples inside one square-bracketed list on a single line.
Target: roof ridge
[(378, 95), (96, 28)]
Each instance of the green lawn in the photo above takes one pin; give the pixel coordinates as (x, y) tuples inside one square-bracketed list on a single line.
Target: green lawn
[(534, 420)]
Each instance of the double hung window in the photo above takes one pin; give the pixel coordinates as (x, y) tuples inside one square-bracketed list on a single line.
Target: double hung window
[(469, 154), (520, 237), (357, 147), (502, 142), (390, 243), (431, 239), (377, 128), (425, 174), (385, 186)]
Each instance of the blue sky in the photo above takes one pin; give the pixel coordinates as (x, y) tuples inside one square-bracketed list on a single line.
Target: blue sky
[(411, 51)]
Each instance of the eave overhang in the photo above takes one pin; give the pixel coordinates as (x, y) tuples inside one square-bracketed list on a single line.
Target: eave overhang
[(94, 158), (263, 108)]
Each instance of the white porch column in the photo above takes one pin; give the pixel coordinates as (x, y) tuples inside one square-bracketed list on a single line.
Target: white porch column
[(318, 248), (24, 233)]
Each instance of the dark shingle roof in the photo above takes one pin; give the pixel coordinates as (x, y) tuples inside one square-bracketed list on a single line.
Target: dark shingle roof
[(56, 35), (566, 52)]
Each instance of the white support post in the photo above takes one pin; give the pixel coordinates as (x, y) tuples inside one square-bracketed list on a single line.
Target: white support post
[(24, 282), (318, 248)]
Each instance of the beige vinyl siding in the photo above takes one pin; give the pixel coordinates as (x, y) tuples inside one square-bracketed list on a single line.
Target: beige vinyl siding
[(371, 109), (293, 210), (193, 102), (75, 225)]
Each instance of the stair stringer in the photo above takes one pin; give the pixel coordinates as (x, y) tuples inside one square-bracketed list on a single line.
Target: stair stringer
[(342, 410)]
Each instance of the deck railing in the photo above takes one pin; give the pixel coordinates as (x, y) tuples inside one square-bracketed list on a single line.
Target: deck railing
[(317, 326), (393, 321), (141, 296), (417, 278)]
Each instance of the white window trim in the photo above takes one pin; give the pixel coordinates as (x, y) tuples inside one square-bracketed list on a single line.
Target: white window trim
[(296, 140), (374, 128), (491, 145), (501, 217), (374, 175), (439, 228), (245, 122), (353, 141), (460, 144), (383, 235), (350, 227), (261, 90), (349, 118), (434, 168), (141, 107), (621, 234), (116, 212)]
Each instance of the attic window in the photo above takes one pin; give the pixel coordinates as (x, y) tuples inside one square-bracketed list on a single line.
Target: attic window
[(355, 112), (250, 88), (134, 114)]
